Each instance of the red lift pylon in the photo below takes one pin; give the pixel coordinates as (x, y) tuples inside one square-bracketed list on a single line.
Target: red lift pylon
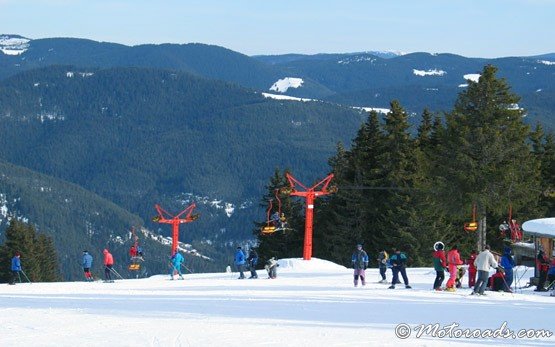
[(175, 221), (310, 194)]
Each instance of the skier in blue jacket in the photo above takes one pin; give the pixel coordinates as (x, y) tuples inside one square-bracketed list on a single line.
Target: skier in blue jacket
[(398, 264), (16, 268), (176, 261), (87, 264), (507, 263), (240, 262)]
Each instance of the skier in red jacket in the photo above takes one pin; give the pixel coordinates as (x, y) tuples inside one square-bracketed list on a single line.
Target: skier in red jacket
[(454, 260), (108, 264)]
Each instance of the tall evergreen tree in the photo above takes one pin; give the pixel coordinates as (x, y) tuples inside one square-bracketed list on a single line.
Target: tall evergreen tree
[(349, 216), (543, 146), (399, 166), (484, 156)]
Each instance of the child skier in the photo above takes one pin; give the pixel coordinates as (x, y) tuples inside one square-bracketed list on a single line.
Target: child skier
[(383, 259), (271, 267)]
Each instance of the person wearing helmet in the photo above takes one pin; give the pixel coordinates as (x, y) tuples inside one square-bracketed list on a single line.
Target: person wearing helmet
[(440, 264)]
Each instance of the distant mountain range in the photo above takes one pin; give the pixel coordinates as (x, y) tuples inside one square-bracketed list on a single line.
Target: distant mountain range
[(169, 124)]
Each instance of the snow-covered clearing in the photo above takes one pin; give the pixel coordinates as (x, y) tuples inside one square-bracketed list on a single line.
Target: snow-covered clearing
[(311, 303)]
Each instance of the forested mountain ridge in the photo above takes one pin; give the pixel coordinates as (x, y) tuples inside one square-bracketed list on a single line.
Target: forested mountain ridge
[(139, 136), (366, 79)]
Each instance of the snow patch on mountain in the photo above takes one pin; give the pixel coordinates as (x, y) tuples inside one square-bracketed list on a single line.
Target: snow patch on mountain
[(357, 59), (546, 62), (282, 85), (370, 109), (71, 74), (474, 77), (284, 97), (227, 207), (429, 72), (167, 241), (13, 45)]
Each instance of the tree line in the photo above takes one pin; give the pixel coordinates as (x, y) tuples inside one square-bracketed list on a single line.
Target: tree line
[(408, 189)]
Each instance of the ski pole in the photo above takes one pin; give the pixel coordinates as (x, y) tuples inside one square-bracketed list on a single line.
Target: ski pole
[(116, 273), (186, 268), (24, 274)]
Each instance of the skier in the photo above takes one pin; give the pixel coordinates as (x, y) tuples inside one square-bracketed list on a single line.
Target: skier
[(543, 266), (16, 268), (360, 263), (132, 251), (87, 264), (140, 251), (271, 267), (483, 262), (252, 260), (240, 262), (497, 281), (454, 260), (461, 270), (471, 269), (439, 264), (508, 263), (398, 264), (279, 220), (175, 262), (108, 264), (551, 274), (383, 258)]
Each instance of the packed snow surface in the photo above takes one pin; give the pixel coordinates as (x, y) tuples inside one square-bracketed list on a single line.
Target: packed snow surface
[(310, 303)]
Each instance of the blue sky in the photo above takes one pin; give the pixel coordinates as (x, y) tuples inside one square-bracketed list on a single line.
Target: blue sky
[(473, 28)]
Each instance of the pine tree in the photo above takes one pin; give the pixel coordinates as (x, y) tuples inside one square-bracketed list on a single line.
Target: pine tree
[(543, 146), (484, 157), (38, 255), (399, 166), (349, 216)]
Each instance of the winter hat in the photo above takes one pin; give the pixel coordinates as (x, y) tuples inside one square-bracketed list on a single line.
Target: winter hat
[(17, 254), (359, 245), (507, 250), (105, 251)]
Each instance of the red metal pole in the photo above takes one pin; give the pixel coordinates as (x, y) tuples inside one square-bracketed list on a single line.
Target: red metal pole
[(307, 250), (175, 221), (309, 194), (175, 235)]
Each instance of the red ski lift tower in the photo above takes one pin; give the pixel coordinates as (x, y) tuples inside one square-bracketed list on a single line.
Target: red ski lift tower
[(166, 218), (309, 194)]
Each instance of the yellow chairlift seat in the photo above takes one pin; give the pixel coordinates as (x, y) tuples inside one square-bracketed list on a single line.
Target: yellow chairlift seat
[(268, 229), (471, 226)]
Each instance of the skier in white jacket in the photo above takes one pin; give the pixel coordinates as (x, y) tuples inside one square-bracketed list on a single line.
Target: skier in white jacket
[(483, 262)]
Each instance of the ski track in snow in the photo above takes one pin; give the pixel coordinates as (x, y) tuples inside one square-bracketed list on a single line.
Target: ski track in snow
[(309, 304)]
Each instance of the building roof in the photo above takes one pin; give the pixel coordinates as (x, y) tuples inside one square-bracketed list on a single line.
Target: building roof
[(543, 227)]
